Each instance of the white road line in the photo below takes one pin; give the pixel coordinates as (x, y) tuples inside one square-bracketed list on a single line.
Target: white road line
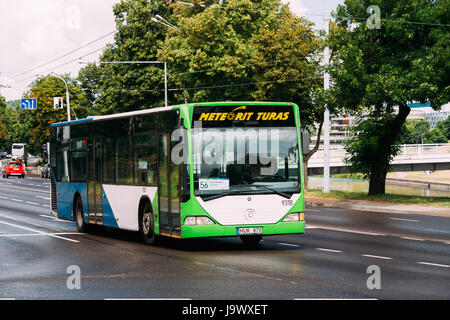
[(55, 218), (346, 230), (45, 198), (126, 299), (45, 205), (289, 244), (28, 189), (376, 257), (434, 264), (37, 231), (343, 299), (401, 219), (415, 239), (37, 234), (33, 203), (329, 250), (1, 197), (313, 210), (16, 200)]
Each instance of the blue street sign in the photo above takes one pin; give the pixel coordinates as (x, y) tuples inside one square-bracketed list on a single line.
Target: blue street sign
[(28, 103)]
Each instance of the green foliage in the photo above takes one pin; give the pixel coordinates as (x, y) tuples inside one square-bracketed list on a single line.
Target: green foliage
[(414, 131), (435, 136), (363, 142), (418, 131), (257, 49), (444, 127), (113, 88), (382, 70)]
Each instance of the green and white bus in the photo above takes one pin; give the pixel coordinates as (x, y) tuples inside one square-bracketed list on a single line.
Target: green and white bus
[(221, 169)]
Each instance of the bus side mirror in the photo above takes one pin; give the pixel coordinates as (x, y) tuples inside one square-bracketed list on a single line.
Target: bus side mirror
[(305, 141)]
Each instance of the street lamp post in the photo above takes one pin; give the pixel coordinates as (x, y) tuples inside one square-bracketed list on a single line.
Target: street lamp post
[(145, 62), (67, 94), (326, 119)]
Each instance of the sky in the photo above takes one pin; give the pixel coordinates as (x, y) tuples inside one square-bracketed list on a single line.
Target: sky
[(33, 33)]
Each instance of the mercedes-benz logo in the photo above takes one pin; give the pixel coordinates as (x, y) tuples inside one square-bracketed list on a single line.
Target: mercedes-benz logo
[(249, 199), (249, 214)]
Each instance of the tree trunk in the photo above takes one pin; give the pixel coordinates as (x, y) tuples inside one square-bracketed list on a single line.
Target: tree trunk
[(380, 164), (309, 155)]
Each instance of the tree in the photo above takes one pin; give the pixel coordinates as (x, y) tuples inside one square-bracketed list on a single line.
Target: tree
[(3, 126), (380, 71), (246, 53), (444, 126), (113, 88), (246, 50), (413, 131), (435, 136)]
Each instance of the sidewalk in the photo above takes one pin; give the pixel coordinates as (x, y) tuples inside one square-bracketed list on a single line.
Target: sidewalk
[(32, 172), (376, 206)]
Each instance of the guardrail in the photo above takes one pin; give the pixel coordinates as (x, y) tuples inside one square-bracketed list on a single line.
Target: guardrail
[(407, 151)]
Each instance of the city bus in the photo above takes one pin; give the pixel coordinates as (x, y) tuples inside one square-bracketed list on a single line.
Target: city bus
[(19, 151), (221, 169)]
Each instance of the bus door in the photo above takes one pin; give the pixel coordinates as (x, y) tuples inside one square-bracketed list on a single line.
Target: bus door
[(94, 181), (168, 188)]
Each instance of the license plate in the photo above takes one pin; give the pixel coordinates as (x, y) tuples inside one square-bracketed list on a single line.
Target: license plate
[(251, 230)]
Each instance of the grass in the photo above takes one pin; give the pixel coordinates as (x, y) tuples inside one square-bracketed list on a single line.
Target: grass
[(391, 198), (354, 176)]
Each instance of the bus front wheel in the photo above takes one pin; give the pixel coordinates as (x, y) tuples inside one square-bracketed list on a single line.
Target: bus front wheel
[(251, 240), (147, 225)]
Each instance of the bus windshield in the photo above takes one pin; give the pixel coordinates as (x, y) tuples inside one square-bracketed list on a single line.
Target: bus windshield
[(246, 161)]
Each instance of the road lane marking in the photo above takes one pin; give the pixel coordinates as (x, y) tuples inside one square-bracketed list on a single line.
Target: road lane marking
[(33, 203), (16, 200), (329, 250), (434, 264), (126, 299), (37, 231), (37, 234), (401, 219), (45, 198), (28, 189), (376, 257), (415, 239), (1, 197), (337, 299), (288, 244), (55, 218), (347, 230)]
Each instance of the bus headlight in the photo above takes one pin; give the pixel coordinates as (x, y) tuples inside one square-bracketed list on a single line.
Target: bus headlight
[(292, 217), (200, 220)]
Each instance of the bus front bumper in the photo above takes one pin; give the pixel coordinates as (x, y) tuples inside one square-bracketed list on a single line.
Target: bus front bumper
[(217, 230)]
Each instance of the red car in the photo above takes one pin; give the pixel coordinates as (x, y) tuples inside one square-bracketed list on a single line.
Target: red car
[(14, 168)]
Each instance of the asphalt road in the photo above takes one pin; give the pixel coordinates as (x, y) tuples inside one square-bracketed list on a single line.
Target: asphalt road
[(41, 255)]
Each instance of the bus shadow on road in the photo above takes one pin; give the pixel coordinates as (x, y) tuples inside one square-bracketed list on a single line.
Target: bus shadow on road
[(192, 245)]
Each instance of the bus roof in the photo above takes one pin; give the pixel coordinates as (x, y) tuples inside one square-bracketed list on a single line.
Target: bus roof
[(162, 109)]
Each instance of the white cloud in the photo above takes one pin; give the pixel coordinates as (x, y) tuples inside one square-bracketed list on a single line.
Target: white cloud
[(296, 7), (33, 32)]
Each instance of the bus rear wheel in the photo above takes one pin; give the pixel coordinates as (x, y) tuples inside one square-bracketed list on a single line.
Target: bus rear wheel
[(251, 240), (79, 216), (147, 225)]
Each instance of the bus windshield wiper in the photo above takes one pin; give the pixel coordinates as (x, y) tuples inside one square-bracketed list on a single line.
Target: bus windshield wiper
[(220, 195), (280, 193)]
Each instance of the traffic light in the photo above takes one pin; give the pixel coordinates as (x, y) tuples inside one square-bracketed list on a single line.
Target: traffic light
[(57, 103)]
